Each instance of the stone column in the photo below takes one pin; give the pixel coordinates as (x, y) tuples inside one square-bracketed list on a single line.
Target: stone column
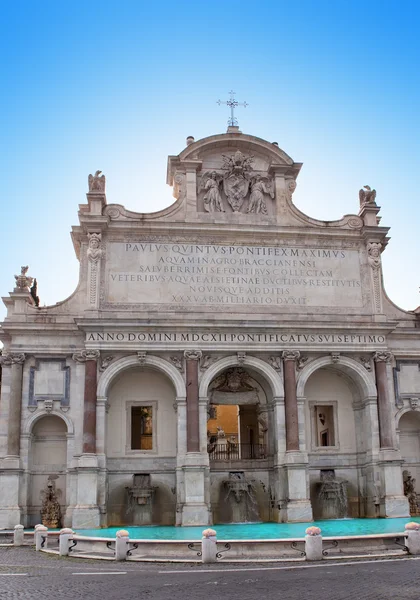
[(195, 467), (15, 361), (290, 401), (192, 358), (11, 411), (86, 512), (295, 461), (89, 410), (393, 503), (384, 408)]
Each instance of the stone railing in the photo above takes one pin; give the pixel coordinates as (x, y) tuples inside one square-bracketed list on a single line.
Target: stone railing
[(313, 547)]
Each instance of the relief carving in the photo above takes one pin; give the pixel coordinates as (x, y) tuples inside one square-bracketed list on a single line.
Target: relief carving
[(177, 362), (12, 358), (83, 355), (192, 354), (180, 188), (382, 357), (106, 362), (94, 251), (233, 380), (374, 260), (142, 357), (335, 357), (207, 361), (212, 198), (301, 362), (275, 362), (236, 179), (366, 363), (94, 254), (374, 254), (241, 357), (259, 187), (290, 188), (291, 354), (414, 403)]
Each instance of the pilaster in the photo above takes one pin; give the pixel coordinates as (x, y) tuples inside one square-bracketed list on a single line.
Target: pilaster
[(11, 469)]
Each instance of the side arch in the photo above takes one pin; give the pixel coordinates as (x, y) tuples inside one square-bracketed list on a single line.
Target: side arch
[(271, 376), (349, 366), (128, 362), (30, 422)]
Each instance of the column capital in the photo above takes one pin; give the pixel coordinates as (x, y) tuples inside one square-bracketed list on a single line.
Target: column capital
[(192, 354), (83, 355), (12, 358), (382, 356), (290, 355)]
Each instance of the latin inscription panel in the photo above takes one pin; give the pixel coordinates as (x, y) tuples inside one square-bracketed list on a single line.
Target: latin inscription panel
[(220, 275)]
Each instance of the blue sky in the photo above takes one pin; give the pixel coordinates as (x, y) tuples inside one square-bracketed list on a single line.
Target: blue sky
[(118, 86)]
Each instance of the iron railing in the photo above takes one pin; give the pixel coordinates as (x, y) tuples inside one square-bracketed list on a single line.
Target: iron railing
[(234, 451)]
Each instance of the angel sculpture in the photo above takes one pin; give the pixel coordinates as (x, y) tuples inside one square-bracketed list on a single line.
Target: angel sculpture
[(256, 199), (367, 195), (96, 182), (212, 198)]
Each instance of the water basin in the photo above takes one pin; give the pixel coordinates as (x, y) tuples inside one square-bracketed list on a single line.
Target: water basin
[(259, 531)]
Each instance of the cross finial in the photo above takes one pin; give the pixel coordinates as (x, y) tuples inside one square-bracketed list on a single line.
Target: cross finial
[(232, 103)]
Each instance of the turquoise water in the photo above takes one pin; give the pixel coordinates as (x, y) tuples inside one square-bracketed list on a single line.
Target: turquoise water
[(259, 531)]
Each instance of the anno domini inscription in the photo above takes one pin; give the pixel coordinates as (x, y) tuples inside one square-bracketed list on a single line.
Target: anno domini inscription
[(210, 274)]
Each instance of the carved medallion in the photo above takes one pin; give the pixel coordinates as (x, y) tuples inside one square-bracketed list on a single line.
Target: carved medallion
[(236, 180)]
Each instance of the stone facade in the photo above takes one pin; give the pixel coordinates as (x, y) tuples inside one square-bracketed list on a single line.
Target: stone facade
[(231, 296)]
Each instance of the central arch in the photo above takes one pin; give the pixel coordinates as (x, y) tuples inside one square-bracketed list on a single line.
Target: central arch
[(268, 373)]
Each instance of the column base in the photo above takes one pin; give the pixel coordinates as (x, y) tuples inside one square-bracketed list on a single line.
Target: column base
[(299, 511), (10, 511), (396, 506), (86, 514), (195, 510), (86, 517), (195, 514)]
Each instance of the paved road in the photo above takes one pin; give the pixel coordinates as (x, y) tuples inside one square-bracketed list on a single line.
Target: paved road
[(25, 574)]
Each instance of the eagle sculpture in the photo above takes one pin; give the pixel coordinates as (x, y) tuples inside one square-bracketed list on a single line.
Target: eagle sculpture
[(367, 195)]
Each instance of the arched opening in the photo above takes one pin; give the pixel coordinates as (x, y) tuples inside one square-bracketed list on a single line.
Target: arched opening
[(238, 443), (332, 443), (141, 442), (409, 440), (48, 468)]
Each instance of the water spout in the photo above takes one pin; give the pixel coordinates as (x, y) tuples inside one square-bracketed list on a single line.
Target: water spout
[(332, 496), (140, 499), (240, 496)]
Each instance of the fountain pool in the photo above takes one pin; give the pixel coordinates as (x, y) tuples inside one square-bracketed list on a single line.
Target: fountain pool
[(259, 531)]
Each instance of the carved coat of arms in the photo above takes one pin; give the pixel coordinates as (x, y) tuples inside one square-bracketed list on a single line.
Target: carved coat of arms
[(236, 179)]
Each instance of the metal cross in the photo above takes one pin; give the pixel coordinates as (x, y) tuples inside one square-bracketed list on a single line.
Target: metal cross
[(233, 121)]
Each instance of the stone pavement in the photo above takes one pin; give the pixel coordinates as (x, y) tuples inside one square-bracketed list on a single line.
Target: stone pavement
[(25, 574)]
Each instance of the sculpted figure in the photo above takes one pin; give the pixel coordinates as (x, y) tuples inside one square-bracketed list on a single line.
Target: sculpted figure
[(256, 199), (96, 182), (367, 195), (212, 199), (94, 251), (22, 280), (374, 254), (34, 293)]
